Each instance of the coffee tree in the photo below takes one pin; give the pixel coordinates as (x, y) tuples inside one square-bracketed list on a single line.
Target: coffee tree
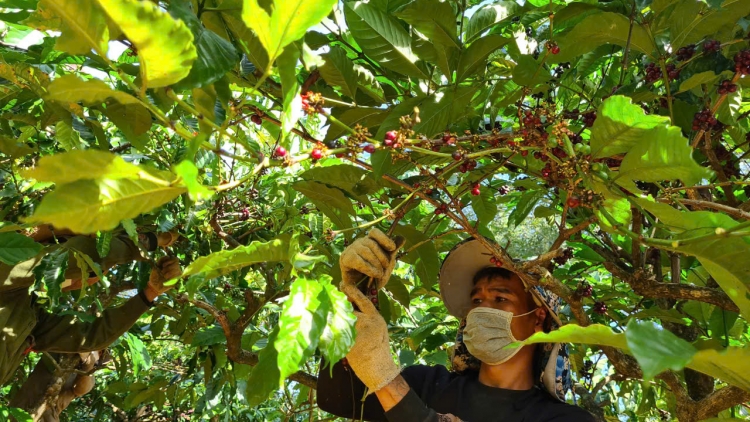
[(271, 133)]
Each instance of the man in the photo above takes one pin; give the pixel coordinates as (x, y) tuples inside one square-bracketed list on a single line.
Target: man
[(491, 383), (27, 327)]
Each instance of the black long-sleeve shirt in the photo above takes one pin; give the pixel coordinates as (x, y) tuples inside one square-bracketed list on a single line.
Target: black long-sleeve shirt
[(435, 391)]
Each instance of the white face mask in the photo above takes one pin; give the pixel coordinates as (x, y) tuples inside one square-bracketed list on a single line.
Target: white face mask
[(487, 332)]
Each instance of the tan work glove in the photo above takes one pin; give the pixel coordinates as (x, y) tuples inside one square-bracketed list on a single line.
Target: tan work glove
[(370, 357), (371, 256), (168, 268)]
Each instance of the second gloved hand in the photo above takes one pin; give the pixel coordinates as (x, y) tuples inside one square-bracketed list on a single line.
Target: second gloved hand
[(371, 256)]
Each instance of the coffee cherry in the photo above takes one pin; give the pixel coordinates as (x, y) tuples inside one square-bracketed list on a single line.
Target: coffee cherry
[(280, 151), (457, 155), (573, 202), (524, 153), (388, 142), (503, 190), (475, 190), (585, 289), (373, 291), (555, 49), (316, 154), (600, 308), (256, 119), (711, 46), (369, 148), (684, 53), (589, 118), (391, 135)]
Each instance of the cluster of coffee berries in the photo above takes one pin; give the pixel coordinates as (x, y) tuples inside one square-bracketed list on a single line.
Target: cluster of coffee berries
[(467, 165), (503, 190), (279, 152), (600, 308), (442, 209), (475, 190), (686, 52), (672, 72), (726, 87), (312, 102), (256, 119), (244, 214), (742, 62), (496, 262), (653, 72), (530, 120), (391, 139), (585, 289), (573, 202), (711, 46), (565, 257), (449, 139), (589, 118), (704, 120)]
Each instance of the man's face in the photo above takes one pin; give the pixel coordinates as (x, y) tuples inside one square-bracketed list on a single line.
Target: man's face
[(509, 295)]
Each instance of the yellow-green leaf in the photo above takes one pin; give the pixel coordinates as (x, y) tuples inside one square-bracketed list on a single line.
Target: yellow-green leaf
[(78, 165), (71, 89), (284, 22), (88, 206), (81, 23), (14, 149), (165, 45)]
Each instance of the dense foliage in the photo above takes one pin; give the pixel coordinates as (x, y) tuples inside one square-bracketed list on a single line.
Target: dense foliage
[(603, 143)]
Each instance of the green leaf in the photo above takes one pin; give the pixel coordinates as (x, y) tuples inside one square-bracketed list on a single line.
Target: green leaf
[(424, 258), (367, 83), (723, 258), (657, 349), (165, 46), (329, 201), (134, 120), (662, 154), (397, 287), (435, 20), (524, 207), (15, 248), (82, 24), (346, 177), (81, 165), (215, 55), (338, 70), (248, 42), (88, 206), (475, 56), (437, 113), (138, 354), (619, 125), (51, 272), (698, 79), (382, 38), (287, 66), (224, 262), (209, 336), (367, 117), (484, 205), (731, 365), (20, 415), (188, 172), (68, 137), (602, 28), (618, 208), (265, 377), (14, 149), (529, 72), (338, 335), (71, 89), (283, 22), (488, 16), (303, 318), (691, 20), (572, 333)]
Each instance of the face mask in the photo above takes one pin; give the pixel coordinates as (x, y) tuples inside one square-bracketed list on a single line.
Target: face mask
[(487, 332)]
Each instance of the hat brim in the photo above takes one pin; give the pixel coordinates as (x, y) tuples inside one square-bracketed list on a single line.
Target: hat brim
[(457, 275)]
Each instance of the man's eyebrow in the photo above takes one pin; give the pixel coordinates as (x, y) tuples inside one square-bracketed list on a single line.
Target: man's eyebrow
[(501, 290)]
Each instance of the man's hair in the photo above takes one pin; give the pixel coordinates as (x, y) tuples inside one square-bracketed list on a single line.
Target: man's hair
[(492, 272)]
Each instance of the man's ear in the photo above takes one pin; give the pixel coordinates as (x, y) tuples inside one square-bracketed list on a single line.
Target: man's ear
[(541, 315)]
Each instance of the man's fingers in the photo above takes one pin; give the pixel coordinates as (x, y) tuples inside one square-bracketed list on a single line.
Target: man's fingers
[(359, 299), (383, 240), (374, 254), (357, 263)]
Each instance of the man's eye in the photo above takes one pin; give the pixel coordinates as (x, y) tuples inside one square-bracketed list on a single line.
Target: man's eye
[(500, 299), (476, 300)]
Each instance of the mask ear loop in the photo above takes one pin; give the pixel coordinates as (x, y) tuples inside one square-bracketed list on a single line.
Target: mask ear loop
[(539, 300)]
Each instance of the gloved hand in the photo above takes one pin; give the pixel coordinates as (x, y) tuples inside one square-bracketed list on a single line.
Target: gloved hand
[(168, 268), (371, 256), (370, 357)]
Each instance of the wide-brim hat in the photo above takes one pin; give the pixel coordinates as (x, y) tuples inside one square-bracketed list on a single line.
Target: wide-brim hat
[(464, 261)]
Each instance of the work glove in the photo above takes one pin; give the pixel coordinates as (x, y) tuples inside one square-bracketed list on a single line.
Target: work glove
[(370, 357), (371, 256), (167, 268)]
